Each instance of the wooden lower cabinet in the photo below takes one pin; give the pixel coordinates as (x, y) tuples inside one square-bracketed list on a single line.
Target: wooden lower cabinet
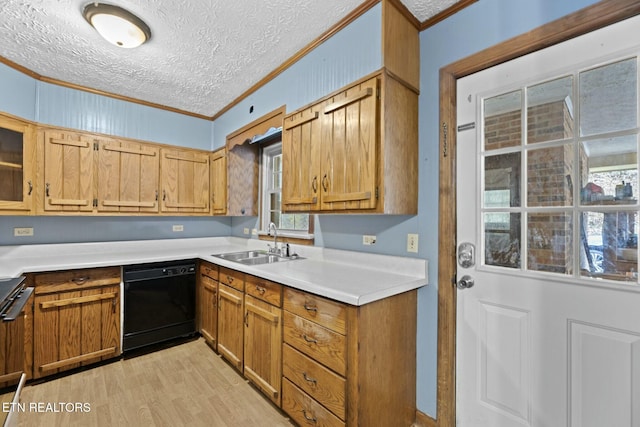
[(76, 319), (231, 324), (348, 365), (208, 303), (13, 337), (263, 346)]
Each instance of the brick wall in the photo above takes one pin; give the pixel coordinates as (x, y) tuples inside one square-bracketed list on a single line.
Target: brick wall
[(549, 179)]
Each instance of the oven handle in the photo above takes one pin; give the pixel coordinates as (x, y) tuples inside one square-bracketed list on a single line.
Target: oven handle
[(18, 305)]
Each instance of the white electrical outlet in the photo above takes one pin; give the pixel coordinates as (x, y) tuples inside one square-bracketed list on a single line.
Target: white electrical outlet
[(246, 230), (368, 240), (178, 227), (254, 232), (412, 243), (23, 231)]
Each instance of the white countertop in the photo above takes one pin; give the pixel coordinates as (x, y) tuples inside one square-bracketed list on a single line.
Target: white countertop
[(351, 277)]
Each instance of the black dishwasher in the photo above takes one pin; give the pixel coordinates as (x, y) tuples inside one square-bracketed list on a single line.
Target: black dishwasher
[(159, 302)]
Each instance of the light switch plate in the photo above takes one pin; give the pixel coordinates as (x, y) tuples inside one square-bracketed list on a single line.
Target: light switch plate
[(178, 227), (412, 243)]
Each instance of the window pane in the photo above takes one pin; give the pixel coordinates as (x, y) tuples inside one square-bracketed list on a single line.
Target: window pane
[(502, 239), (611, 245), (549, 242), (11, 178), (502, 181), (502, 121), (610, 170), (608, 98), (550, 111), (275, 218), (549, 181)]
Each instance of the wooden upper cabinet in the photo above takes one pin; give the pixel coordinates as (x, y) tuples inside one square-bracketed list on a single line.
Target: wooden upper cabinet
[(355, 150), (184, 181), (301, 135), (219, 182), (128, 174), (348, 150), (17, 158), (68, 171)]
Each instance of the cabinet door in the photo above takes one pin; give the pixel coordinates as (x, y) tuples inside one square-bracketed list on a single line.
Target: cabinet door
[(230, 324), (184, 181), (68, 172), (301, 161), (17, 150), (219, 182), (349, 148), (128, 175), (12, 350), (208, 306), (263, 346), (75, 328)]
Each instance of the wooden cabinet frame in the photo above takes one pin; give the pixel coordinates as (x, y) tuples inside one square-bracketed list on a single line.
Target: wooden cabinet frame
[(8, 167)]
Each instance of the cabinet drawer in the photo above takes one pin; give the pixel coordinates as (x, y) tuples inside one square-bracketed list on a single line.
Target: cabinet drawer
[(232, 278), (209, 270), (72, 280), (264, 290), (317, 342), (304, 410), (330, 314), (317, 381)]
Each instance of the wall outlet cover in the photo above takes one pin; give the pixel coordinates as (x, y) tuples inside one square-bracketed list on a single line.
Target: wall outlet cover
[(368, 240), (412, 243), (178, 227), (23, 231)]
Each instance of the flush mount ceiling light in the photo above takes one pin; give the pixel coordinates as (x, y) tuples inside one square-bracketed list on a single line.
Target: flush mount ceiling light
[(117, 25)]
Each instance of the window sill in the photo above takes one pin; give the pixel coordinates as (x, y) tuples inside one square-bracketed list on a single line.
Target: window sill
[(295, 238)]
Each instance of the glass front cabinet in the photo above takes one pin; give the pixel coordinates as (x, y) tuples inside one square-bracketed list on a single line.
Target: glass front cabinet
[(17, 157)]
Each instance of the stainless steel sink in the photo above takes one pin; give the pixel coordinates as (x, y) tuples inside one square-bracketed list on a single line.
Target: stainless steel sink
[(256, 257)]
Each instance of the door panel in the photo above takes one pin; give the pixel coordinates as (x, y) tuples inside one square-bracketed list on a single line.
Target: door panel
[(549, 333)]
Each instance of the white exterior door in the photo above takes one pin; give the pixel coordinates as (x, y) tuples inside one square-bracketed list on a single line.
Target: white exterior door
[(549, 334)]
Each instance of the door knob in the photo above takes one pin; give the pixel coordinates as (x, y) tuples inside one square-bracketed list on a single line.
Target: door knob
[(465, 282)]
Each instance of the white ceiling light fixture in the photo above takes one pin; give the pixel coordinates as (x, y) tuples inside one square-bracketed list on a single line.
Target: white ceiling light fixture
[(117, 25)]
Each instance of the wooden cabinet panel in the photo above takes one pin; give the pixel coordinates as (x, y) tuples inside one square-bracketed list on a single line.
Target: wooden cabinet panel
[(208, 308), (219, 182), (209, 270), (314, 379), (230, 324), (323, 311), (232, 278), (68, 171), (73, 280), (301, 138), (128, 175), (319, 343), (264, 290), (349, 148), (263, 346), (74, 328), (17, 158), (306, 411), (12, 348), (184, 181)]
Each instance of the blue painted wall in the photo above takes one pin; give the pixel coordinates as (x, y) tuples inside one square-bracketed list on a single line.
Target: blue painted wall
[(350, 54)]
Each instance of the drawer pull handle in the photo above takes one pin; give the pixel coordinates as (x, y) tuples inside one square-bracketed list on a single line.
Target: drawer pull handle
[(310, 340), (261, 289), (310, 307), (309, 379), (80, 280), (308, 418), (229, 279)]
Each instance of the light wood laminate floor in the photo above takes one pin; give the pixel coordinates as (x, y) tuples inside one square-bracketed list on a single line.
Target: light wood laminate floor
[(184, 385)]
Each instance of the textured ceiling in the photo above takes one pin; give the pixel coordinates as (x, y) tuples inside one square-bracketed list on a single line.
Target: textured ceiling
[(203, 54)]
